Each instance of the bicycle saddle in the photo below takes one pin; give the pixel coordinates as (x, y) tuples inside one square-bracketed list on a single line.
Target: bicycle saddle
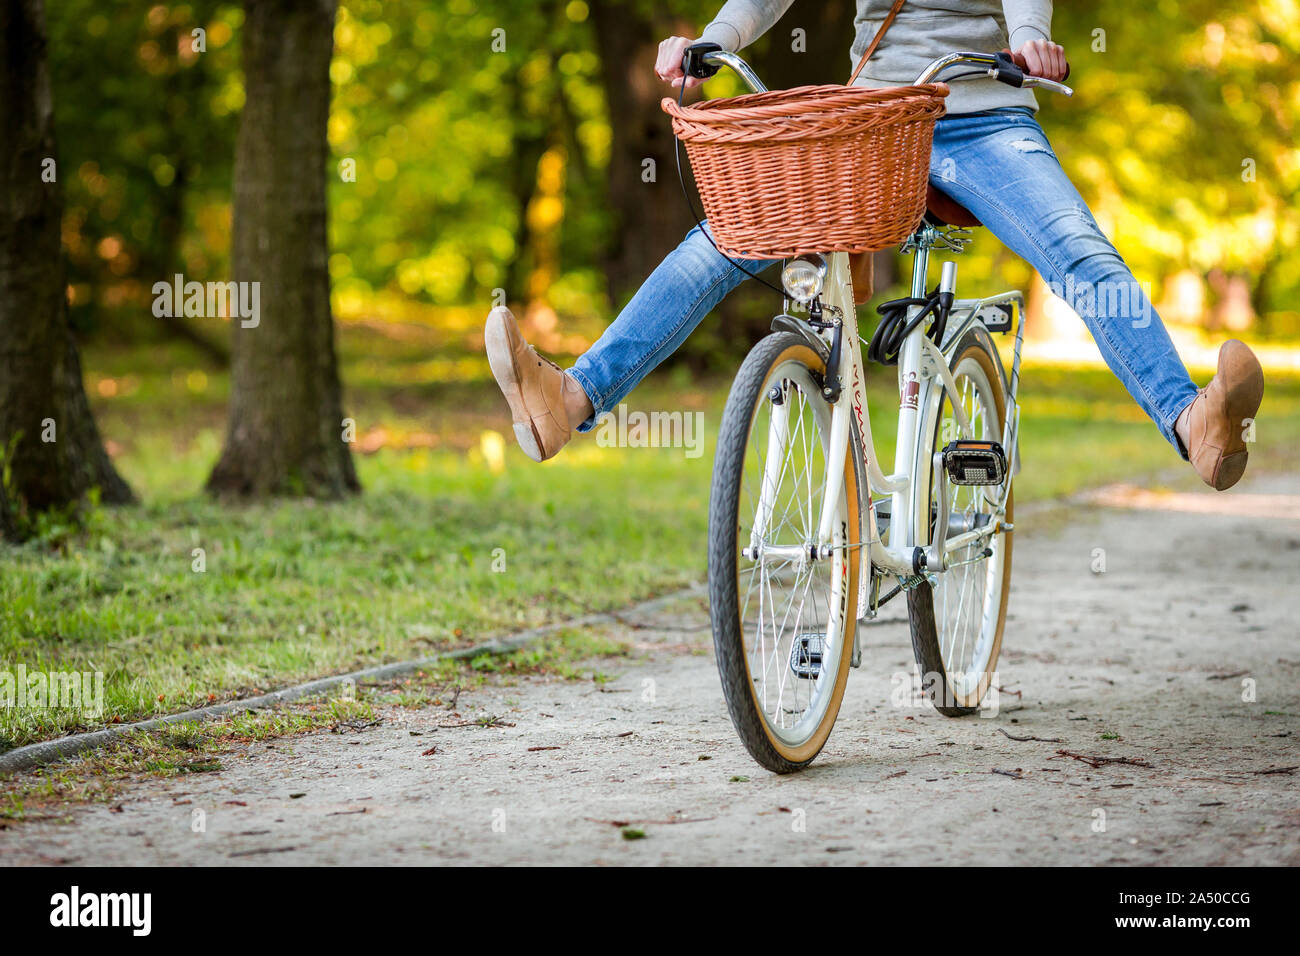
[(942, 210)]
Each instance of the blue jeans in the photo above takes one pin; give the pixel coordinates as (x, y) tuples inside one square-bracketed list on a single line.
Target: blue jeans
[(998, 165)]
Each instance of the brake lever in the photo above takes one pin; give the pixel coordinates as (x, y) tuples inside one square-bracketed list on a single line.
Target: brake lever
[(1041, 83)]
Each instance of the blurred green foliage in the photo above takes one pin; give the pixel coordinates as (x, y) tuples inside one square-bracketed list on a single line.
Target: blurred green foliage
[(434, 120), (483, 158), (1183, 134)]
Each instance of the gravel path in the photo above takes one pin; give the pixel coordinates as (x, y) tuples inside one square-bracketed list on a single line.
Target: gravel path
[(1148, 660)]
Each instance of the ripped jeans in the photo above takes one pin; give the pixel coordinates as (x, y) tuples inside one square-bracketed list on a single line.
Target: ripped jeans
[(997, 164)]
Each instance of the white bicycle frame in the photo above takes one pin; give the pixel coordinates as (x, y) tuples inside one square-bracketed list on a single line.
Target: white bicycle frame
[(923, 371), (923, 368)]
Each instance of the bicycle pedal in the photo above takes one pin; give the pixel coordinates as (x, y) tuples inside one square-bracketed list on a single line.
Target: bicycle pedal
[(806, 654), (972, 462)]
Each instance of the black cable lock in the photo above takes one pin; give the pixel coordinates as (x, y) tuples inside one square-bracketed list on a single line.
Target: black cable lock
[(894, 325)]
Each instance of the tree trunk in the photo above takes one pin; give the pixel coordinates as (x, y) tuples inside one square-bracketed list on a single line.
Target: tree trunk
[(171, 221), (48, 438), (185, 86), (286, 431), (820, 54), (650, 217), (527, 150)]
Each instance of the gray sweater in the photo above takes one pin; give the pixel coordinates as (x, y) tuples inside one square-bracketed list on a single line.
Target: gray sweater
[(922, 31)]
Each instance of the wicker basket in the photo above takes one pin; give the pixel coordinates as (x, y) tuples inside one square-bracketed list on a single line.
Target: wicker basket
[(812, 169)]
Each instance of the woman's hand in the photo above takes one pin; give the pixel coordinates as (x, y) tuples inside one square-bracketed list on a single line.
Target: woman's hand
[(1044, 58), (668, 64)]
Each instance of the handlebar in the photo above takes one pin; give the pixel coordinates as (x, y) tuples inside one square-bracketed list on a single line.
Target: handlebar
[(1003, 67), (702, 60)]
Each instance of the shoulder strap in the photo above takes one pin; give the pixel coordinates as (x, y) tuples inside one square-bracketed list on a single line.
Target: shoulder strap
[(875, 41)]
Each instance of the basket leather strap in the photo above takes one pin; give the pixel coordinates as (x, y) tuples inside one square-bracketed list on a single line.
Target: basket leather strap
[(860, 263), (875, 41)]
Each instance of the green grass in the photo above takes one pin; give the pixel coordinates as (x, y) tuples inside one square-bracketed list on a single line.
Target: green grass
[(296, 589)]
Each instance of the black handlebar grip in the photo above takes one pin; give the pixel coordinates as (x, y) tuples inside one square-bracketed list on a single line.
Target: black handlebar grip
[(1007, 71), (693, 60)]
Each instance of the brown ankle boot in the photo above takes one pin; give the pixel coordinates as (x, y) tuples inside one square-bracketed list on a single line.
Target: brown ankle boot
[(1216, 423), (538, 392)]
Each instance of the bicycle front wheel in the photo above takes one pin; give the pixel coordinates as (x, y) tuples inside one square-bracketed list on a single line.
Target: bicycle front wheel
[(957, 623), (783, 616)]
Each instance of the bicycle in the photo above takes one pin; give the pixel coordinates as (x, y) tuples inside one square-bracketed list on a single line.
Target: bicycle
[(791, 512)]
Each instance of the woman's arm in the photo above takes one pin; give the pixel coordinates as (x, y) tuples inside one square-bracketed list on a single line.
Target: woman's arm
[(740, 22), (737, 24)]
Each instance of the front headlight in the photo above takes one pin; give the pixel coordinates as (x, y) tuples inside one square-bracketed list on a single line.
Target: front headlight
[(804, 277)]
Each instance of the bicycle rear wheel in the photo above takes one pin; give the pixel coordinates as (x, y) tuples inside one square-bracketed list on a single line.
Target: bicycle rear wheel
[(957, 623), (783, 619)]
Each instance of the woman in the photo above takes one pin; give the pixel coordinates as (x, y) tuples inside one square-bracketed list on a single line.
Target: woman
[(991, 156)]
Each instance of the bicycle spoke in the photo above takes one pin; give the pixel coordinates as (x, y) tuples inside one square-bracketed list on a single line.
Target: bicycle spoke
[(965, 620), (787, 603)]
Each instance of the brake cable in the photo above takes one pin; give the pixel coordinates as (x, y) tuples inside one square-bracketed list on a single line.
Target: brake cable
[(699, 220)]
